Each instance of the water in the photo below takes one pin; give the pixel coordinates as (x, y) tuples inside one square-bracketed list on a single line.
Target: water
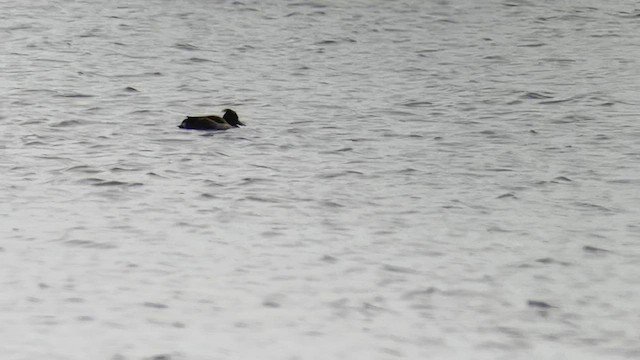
[(417, 180)]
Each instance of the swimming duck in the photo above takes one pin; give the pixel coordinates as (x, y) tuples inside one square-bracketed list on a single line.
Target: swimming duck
[(228, 120)]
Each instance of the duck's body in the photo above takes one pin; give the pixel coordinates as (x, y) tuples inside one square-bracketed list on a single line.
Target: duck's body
[(205, 122), (212, 122)]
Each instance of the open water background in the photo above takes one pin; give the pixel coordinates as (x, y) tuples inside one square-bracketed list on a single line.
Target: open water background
[(417, 180)]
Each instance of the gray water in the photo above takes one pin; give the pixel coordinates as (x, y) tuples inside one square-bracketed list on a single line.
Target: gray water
[(416, 180)]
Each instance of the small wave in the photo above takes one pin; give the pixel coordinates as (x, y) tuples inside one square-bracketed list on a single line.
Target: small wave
[(151, 173), (331, 204), (120, 169), (245, 48), (417, 104), (66, 123), (495, 57), (624, 181), (153, 73), (83, 169), (186, 46), (89, 244), (535, 96), (60, 61), (17, 27), (532, 45), (340, 174), (141, 111), (199, 60), (539, 304), (74, 95), (247, 181), (396, 30), (549, 260), (309, 4), (249, 9), (337, 151), (592, 206), (90, 33), (559, 179), (569, 119), (35, 143), (559, 60), (264, 167), (333, 42), (507, 196), (156, 306), (102, 182), (606, 35), (261, 199), (118, 183), (326, 42), (594, 250), (399, 269), (629, 15), (499, 169), (426, 51), (551, 102)]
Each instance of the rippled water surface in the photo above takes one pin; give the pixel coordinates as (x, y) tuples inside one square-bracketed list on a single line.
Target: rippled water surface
[(417, 180)]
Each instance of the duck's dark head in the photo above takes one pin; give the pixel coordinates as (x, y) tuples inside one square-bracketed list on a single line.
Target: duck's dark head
[(231, 117)]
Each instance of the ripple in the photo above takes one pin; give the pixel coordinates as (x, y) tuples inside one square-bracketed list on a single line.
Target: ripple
[(115, 183), (74, 95), (337, 151), (262, 199), (539, 304), (535, 96), (340, 174), (417, 104), (331, 204), (398, 269), (86, 169), (311, 4), (186, 46), (336, 41), (594, 250), (66, 123), (499, 169), (199, 60), (89, 244), (593, 206), (561, 179), (532, 45), (548, 261)]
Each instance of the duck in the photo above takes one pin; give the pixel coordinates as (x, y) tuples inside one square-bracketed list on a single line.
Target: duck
[(228, 120)]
